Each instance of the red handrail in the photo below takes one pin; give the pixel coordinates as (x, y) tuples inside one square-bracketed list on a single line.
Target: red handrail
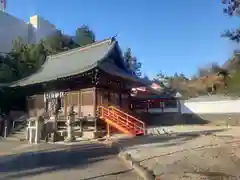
[(121, 118), (130, 119), (118, 110)]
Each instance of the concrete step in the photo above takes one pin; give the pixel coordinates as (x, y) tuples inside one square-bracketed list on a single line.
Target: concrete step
[(156, 131), (19, 134), (65, 128), (93, 135), (16, 138)]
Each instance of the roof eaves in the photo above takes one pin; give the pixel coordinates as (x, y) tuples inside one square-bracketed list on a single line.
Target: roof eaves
[(16, 83), (59, 77), (3, 85)]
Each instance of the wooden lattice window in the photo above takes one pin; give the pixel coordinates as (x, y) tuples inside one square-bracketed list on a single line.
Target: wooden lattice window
[(105, 97), (171, 103), (69, 98), (30, 103), (39, 101), (114, 99), (140, 104), (74, 99), (99, 98), (87, 98), (154, 104)]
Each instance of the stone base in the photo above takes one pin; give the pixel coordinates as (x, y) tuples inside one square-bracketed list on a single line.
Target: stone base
[(78, 134), (69, 139), (92, 134)]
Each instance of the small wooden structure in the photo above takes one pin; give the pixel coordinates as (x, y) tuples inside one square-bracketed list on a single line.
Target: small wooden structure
[(157, 107), (84, 78), (147, 99)]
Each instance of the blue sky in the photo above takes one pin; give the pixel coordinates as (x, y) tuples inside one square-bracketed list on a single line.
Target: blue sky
[(168, 36)]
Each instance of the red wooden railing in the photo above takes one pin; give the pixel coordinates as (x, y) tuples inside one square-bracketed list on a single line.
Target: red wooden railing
[(121, 120)]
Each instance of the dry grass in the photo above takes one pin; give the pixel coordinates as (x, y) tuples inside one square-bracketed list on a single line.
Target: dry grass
[(198, 86)]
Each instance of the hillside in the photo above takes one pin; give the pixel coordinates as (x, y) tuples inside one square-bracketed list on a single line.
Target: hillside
[(213, 82), (200, 86), (233, 63)]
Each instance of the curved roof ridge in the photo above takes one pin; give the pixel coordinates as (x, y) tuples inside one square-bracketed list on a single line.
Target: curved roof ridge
[(97, 43)]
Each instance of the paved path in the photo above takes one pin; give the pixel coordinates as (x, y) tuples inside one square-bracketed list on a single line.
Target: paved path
[(77, 162), (215, 130)]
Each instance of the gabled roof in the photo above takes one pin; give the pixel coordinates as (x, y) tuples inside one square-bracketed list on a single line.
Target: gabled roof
[(161, 92), (77, 61)]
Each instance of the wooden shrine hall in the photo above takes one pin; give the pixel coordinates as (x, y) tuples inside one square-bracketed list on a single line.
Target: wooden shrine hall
[(93, 80)]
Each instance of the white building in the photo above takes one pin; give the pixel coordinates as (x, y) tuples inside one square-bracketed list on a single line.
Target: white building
[(213, 104), (12, 28)]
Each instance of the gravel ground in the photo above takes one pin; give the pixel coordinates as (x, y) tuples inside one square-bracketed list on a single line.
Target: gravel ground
[(189, 157)]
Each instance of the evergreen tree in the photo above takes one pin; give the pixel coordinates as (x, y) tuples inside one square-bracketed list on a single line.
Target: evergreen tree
[(131, 63), (84, 36), (58, 42), (232, 8)]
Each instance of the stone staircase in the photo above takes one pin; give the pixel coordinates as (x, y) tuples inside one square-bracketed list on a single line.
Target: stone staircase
[(19, 135), (18, 131)]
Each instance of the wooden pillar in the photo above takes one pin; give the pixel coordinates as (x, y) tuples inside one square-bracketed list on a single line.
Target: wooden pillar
[(79, 110), (178, 105), (80, 103), (35, 106), (65, 105), (108, 130), (95, 106), (94, 101), (101, 98), (109, 98), (148, 105), (120, 100)]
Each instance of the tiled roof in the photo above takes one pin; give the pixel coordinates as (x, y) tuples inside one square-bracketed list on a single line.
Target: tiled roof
[(77, 61)]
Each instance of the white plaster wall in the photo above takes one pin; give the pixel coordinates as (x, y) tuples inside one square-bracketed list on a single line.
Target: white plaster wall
[(210, 107), (10, 29)]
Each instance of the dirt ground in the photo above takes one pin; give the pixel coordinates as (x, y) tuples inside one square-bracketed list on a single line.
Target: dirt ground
[(217, 162), (186, 157)]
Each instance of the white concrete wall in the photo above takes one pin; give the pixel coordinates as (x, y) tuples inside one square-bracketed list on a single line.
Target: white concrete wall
[(43, 27), (210, 107), (12, 28)]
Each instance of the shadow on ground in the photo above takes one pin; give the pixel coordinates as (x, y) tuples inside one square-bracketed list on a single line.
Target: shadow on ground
[(80, 156), (174, 139), (77, 156), (149, 139)]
